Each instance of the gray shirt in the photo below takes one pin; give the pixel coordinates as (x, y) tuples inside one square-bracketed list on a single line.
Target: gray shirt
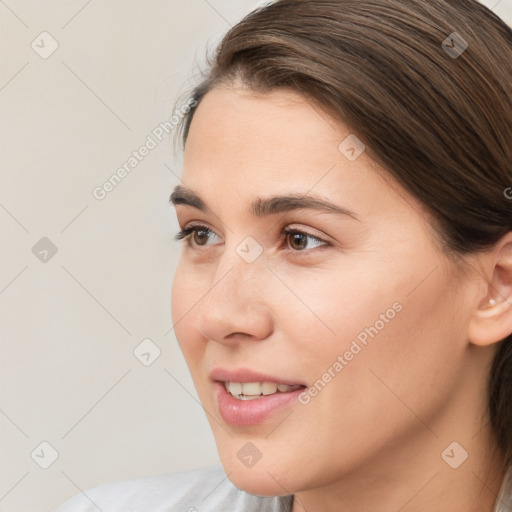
[(198, 490)]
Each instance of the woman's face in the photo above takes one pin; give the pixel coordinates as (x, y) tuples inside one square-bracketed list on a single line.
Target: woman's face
[(362, 308)]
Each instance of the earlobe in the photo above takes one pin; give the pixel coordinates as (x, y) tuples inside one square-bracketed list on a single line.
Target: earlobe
[(491, 321)]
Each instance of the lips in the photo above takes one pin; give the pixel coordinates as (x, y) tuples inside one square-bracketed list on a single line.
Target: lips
[(242, 411)]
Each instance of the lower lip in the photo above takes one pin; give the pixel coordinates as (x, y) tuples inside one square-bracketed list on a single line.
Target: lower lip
[(251, 412)]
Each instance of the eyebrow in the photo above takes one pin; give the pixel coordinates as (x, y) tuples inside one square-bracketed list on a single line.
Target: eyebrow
[(264, 207)]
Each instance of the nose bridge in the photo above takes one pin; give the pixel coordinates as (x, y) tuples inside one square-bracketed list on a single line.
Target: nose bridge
[(236, 282), (242, 266)]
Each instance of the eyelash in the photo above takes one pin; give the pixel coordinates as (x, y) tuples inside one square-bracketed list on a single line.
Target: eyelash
[(185, 236)]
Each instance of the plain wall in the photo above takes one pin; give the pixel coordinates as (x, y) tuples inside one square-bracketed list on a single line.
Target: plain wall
[(70, 321)]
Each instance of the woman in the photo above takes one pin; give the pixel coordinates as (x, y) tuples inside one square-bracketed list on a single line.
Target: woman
[(344, 293)]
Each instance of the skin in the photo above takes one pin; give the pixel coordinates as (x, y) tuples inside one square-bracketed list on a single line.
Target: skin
[(372, 438)]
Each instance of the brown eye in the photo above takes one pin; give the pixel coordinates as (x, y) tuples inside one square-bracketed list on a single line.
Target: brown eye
[(195, 236), (298, 241), (200, 236)]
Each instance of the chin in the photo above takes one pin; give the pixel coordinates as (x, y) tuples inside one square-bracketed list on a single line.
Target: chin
[(262, 479), (257, 483)]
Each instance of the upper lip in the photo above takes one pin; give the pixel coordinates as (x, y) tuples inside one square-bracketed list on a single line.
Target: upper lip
[(247, 375)]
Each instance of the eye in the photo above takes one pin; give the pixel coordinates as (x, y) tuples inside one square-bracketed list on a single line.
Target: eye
[(298, 240), (198, 233)]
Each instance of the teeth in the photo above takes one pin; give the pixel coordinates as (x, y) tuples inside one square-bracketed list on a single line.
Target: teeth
[(251, 388), (235, 388), (269, 388), (254, 390)]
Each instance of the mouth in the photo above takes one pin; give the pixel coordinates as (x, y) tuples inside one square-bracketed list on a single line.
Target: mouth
[(245, 397), (256, 390)]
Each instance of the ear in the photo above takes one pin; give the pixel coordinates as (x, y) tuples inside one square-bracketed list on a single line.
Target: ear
[(491, 320)]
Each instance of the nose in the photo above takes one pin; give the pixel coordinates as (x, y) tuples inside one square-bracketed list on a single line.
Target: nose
[(235, 308)]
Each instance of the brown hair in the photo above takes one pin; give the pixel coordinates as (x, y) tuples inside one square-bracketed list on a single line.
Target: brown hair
[(437, 115)]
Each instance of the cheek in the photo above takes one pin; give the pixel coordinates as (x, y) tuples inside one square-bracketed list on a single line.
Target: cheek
[(336, 306), (184, 296), (407, 354), (396, 322)]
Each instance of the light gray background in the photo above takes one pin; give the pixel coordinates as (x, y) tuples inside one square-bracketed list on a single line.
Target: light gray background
[(69, 325)]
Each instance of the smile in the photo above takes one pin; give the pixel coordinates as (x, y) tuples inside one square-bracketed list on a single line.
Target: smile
[(256, 390)]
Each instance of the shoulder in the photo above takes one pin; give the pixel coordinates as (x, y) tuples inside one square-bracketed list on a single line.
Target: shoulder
[(205, 489)]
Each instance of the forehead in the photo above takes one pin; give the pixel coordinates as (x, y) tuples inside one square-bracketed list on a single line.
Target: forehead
[(276, 136), (275, 120)]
